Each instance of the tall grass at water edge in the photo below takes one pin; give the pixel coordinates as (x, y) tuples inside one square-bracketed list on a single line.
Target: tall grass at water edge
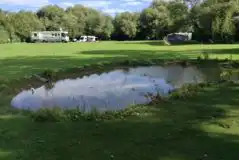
[(58, 114)]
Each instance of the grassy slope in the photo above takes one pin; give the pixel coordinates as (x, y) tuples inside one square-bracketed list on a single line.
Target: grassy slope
[(20, 59), (204, 127)]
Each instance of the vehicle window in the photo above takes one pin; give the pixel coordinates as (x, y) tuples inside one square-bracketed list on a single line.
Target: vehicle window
[(56, 34), (35, 34), (63, 34)]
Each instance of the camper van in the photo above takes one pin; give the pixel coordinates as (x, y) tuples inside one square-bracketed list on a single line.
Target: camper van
[(88, 39), (180, 36), (50, 36)]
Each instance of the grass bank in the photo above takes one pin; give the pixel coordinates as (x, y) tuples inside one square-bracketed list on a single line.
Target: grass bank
[(205, 126), (17, 60)]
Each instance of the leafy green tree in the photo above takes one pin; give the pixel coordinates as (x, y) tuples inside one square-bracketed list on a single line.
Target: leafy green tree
[(25, 22), (51, 16), (126, 25)]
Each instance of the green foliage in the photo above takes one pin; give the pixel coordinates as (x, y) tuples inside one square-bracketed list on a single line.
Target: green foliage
[(57, 114), (4, 38), (186, 91), (210, 20), (49, 74), (46, 114), (126, 24)]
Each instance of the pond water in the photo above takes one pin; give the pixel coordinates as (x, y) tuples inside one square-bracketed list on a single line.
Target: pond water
[(113, 90)]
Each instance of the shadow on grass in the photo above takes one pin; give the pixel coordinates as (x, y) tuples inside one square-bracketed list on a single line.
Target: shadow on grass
[(142, 54), (173, 131), (153, 43), (20, 66), (223, 51), (160, 42)]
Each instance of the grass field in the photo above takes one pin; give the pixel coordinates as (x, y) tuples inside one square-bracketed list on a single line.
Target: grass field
[(22, 59), (204, 127)]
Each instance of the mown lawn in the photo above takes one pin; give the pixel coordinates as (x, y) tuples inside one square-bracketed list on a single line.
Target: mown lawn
[(23, 59), (204, 127)]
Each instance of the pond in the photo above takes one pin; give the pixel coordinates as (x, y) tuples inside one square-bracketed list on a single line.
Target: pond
[(114, 90)]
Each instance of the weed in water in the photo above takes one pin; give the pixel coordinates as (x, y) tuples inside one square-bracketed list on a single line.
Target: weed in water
[(49, 74), (226, 75)]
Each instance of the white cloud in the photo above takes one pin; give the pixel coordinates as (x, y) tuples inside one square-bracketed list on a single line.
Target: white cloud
[(131, 3), (114, 10), (95, 3), (146, 0), (66, 4), (32, 3)]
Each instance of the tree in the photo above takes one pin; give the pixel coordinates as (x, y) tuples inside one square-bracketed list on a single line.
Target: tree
[(178, 13), (23, 23), (126, 25), (155, 20), (51, 16), (70, 23)]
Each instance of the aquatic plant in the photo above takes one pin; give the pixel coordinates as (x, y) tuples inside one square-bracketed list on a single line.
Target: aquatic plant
[(186, 91), (225, 75), (49, 74), (49, 85)]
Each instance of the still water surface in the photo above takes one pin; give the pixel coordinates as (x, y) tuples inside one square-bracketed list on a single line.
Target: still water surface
[(114, 90)]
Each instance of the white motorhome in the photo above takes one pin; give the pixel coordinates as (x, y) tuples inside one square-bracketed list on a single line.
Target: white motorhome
[(49, 36), (88, 39)]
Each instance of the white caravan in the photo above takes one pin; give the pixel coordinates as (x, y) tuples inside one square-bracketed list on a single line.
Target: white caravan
[(49, 36), (83, 39), (88, 39)]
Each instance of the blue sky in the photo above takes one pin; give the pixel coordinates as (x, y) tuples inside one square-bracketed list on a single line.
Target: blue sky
[(108, 6)]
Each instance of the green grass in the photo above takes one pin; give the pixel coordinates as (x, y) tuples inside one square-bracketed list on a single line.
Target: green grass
[(23, 59), (203, 127)]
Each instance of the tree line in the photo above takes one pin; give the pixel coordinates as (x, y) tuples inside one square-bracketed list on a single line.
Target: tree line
[(210, 20)]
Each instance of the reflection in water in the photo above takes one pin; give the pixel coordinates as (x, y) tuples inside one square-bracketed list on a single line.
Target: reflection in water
[(109, 91), (174, 74)]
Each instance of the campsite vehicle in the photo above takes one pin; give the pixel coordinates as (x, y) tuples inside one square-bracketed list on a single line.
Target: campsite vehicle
[(181, 36), (88, 39), (49, 36)]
